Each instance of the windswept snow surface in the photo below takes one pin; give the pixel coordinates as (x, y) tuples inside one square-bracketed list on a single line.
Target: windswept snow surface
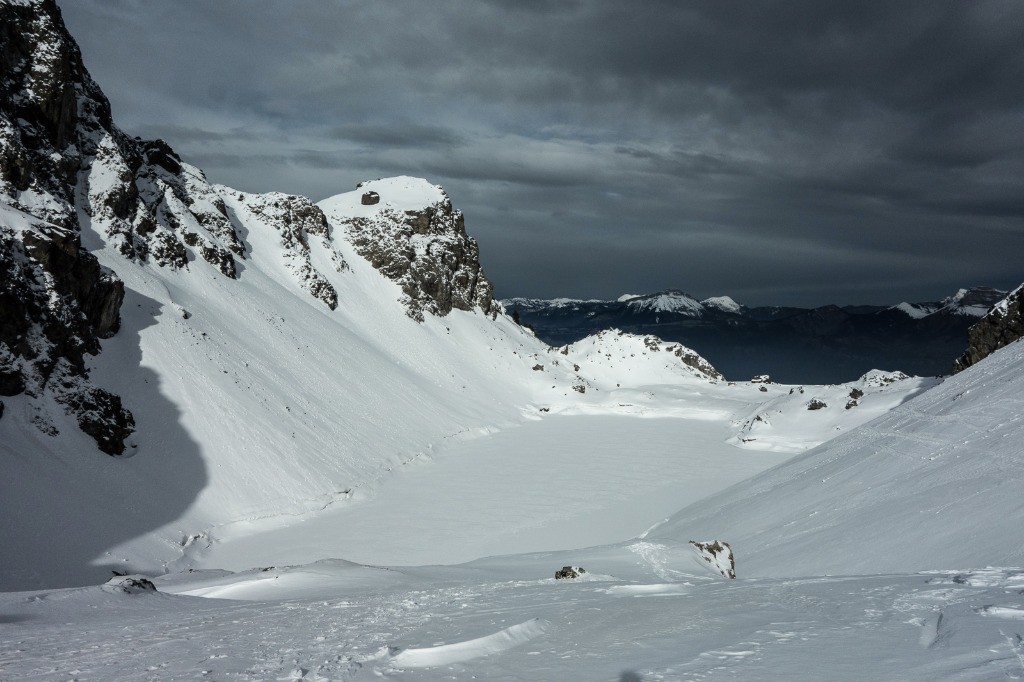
[(509, 619)]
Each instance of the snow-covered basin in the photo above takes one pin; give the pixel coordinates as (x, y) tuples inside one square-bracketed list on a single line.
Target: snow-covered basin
[(556, 483)]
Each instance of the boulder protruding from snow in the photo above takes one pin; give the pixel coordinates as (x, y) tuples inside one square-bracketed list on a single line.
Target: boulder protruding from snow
[(569, 572), (719, 555), (370, 198), (130, 584)]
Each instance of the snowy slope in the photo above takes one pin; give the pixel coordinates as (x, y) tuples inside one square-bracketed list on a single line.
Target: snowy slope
[(936, 483), (252, 398)]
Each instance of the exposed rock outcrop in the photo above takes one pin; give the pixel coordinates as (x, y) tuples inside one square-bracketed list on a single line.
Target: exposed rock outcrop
[(719, 555), (296, 219), (413, 235), (1003, 325), (62, 159), (65, 167), (57, 303), (692, 358), (129, 584), (569, 572)]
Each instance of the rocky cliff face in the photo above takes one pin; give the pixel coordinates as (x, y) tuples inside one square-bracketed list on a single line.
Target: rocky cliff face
[(57, 302), (63, 161), (67, 171), (1003, 325), (295, 219), (65, 166), (409, 231)]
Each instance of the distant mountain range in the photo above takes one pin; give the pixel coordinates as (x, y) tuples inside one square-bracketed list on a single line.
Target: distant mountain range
[(828, 344)]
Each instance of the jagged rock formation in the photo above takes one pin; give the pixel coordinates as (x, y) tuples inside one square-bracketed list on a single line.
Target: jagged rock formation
[(65, 166), (295, 218), (409, 231), (57, 303), (1003, 325), (62, 157)]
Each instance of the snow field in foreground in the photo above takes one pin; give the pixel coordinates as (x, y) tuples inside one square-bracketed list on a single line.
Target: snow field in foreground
[(510, 620)]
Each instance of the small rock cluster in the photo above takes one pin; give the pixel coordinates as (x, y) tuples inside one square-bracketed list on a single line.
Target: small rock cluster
[(569, 572)]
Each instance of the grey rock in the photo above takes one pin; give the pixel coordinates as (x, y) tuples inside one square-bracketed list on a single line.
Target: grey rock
[(428, 253), (569, 573), (1003, 325)]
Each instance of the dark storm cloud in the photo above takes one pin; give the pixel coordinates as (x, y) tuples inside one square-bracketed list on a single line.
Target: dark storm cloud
[(398, 135), (783, 152)]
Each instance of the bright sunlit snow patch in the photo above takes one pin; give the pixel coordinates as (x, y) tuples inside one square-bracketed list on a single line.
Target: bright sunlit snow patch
[(446, 654)]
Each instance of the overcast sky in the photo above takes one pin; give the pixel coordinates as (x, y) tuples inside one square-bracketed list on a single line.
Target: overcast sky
[(795, 152)]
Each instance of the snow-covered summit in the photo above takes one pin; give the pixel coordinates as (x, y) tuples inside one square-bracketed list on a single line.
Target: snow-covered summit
[(971, 302), (668, 301), (724, 303), (399, 193), (408, 229), (612, 358)]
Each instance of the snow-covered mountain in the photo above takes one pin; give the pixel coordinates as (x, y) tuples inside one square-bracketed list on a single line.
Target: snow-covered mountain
[(244, 356), (828, 344), (972, 303), (314, 414)]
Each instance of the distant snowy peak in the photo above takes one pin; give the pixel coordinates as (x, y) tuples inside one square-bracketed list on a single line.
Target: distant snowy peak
[(972, 302), (546, 303), (408, 230), (916, 311), (668, 301), (976, 301), (723, 303)]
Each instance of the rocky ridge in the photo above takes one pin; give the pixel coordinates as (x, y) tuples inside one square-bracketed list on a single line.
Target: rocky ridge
[(409, 231), (295, 219), (67, 171), (1003, 325), (63, 163)]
